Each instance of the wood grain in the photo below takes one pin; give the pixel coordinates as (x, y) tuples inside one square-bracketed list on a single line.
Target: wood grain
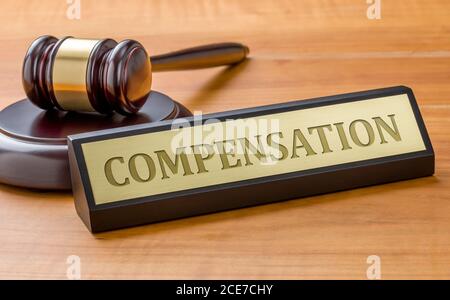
[(299, 49)]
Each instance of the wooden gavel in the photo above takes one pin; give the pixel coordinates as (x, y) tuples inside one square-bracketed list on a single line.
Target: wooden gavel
[(104, 76)]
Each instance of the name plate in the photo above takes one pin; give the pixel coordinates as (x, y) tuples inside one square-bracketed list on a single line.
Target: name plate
[(147, 173)]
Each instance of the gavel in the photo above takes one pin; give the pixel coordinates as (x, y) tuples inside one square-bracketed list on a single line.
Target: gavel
[(90, 75)]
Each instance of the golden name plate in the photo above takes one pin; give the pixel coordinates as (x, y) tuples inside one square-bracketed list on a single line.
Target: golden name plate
[(166, 170)]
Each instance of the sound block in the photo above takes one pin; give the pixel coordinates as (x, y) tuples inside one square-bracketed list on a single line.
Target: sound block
[(33, 144)]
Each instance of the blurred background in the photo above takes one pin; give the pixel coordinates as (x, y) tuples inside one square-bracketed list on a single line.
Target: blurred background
[(299, 49)]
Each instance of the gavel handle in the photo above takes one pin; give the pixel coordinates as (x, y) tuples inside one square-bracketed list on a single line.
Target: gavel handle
[(206, 56)]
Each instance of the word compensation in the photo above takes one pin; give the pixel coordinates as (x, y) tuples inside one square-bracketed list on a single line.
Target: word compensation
[(294, 144)]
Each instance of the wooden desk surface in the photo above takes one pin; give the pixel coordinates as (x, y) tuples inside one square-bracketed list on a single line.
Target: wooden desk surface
[(299, 49)]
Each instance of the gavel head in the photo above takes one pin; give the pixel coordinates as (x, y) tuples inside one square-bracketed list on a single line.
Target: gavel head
[(87, 75)]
